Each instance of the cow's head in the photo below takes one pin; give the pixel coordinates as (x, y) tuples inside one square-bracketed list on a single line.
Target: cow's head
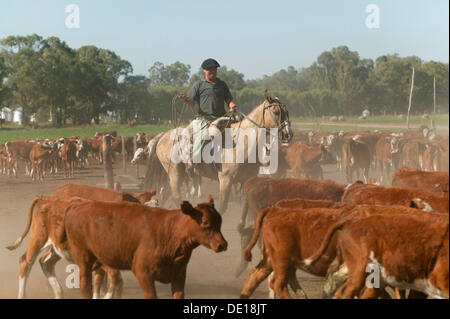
[(208, 222), (139, 156), (395, 145), (418, 203)]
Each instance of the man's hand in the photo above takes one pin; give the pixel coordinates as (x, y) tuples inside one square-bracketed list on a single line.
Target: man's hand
[(232, 107), (183, 98)]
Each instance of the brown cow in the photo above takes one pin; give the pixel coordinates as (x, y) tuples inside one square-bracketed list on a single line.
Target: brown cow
[(429, 181), (69, 157), (261, 192), (156, 244), (18, 150), (408, 258), (304, 160), (360, 193), (356, 155), (101, 194), (45, 223), (288, 236), (39, 155)]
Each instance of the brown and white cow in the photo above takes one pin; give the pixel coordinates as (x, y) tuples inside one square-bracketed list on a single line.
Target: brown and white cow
[(359, 193), (156, 244), (46, 227), (402, 256), (429, 181), (18, 151)]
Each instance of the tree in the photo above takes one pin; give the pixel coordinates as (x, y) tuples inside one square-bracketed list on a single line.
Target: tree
[(134, 98), (98, 72), (21, 56), (176, 74)]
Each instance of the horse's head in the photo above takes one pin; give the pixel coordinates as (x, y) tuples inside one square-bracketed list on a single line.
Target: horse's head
[(275, 114)]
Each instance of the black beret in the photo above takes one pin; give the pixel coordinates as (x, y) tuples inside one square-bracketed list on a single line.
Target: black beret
[(209, 64)]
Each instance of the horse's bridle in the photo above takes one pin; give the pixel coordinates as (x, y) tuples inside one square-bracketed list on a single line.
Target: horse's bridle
[(281, 124), (282, 120)]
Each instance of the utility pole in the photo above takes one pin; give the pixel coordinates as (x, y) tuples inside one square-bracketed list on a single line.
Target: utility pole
[(410, 98)]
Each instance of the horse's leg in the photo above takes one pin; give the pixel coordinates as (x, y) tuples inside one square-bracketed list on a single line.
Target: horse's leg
[(175, 182), (225, 186)]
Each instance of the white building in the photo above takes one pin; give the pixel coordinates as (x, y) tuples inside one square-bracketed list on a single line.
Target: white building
[(7, 114), (17, 116)]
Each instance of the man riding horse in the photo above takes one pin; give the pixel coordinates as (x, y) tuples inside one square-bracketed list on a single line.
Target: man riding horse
[(211, 94)]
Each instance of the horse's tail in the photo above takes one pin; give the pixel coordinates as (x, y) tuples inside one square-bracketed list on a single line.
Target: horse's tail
[(258, 224), (155, 175), (28, 225)]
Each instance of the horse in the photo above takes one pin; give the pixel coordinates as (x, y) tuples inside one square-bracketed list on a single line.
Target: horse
[(165, 173)]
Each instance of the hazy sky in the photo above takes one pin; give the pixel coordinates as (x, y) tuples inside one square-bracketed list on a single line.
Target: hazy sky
[(253, 37)]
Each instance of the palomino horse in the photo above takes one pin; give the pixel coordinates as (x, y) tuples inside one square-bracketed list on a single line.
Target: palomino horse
[(162, 170)]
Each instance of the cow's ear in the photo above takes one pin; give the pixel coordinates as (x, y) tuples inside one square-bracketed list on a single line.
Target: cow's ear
[(187, 209), (209, 200)]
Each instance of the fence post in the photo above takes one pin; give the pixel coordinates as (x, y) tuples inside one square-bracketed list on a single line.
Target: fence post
[(134, 152), (124, 156), (107, 162)]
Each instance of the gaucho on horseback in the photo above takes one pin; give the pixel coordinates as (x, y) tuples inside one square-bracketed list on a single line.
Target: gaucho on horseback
[(211, 94)]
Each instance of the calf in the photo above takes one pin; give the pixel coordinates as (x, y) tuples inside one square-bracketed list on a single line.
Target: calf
[(405, 257), (429, 181), (45, 224), (288, 236), (156, 244)]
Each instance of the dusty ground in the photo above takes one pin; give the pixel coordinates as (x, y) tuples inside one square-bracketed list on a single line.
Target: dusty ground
[(209, 275)]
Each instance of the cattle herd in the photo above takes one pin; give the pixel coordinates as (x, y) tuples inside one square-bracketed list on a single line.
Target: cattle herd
[(390, 216), (46, 157)]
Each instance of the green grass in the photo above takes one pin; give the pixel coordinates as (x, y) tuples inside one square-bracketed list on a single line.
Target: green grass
[(440, 119), (13, 132), (10, 132)]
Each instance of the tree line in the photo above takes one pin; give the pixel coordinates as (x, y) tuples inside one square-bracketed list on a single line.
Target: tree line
[(63, 85)]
